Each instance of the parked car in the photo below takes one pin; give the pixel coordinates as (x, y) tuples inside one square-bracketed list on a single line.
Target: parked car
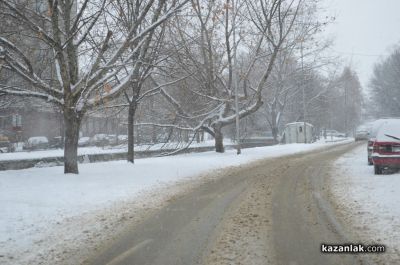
[(334, 133), (112, 139), (100, 139), (84, 141), (386, 147), (122, 139), (56, 142), (375, 126), (37, 142), (362, 133)]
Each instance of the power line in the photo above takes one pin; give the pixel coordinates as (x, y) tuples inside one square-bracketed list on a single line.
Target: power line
[(359, 54)]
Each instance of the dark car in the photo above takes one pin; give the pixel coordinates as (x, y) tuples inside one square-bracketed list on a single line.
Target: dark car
[(362, 133), (386, 147), (56, 142)]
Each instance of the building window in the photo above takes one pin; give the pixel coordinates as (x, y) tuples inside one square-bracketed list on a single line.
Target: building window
[(16, 120), (40, 6)]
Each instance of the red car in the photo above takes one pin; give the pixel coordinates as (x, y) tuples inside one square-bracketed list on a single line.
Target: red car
[(373, 131), (386, 147)]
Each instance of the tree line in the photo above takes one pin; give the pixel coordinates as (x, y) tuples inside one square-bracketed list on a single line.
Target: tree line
[(385, 87)]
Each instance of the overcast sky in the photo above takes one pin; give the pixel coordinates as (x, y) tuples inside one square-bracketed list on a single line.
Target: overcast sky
[(364, 31)]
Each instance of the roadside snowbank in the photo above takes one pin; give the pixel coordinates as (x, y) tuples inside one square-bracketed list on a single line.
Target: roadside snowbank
[(90, 150), (44, 211), (370, 203)]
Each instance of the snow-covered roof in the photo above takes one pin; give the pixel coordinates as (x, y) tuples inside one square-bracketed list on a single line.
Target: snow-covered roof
[(376, 125), (299, 123), (38, 140), (362, 128), (389, 131)]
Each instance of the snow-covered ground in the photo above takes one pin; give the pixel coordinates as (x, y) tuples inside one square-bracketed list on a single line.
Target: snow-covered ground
[(370, 203), (46, 214), (89, 150)]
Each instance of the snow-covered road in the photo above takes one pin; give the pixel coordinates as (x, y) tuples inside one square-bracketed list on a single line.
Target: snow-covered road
[(370, 203), (44, 211)]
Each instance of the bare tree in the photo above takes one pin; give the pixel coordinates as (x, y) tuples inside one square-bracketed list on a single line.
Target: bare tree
[(88, 57), (204, 50), (384, 84), (348, 100)]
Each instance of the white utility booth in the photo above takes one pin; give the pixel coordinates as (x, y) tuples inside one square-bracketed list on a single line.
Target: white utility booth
[(294, 132)]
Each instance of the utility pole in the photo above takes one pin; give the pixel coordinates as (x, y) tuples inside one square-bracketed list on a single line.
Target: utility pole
[(304, 92), (235, 80), (345, 108)]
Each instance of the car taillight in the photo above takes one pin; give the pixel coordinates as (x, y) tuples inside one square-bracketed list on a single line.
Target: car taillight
[(371, 143), (381, 148)]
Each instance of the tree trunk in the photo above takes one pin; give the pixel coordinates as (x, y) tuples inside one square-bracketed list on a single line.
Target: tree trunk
[(219, 140), (62, 130), (131, 139), (275, 133), (72, 124), (154, 135), (198, 137), (185, 136), (138, 139), (274, 125)]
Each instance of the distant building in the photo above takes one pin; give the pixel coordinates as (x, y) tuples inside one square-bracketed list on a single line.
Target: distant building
[(298, 132), (33, 117), (30, 117), (21, 118)]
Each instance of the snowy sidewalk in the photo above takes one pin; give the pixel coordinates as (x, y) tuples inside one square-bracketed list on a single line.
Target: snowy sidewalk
[(369, 203), (45, 211)]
